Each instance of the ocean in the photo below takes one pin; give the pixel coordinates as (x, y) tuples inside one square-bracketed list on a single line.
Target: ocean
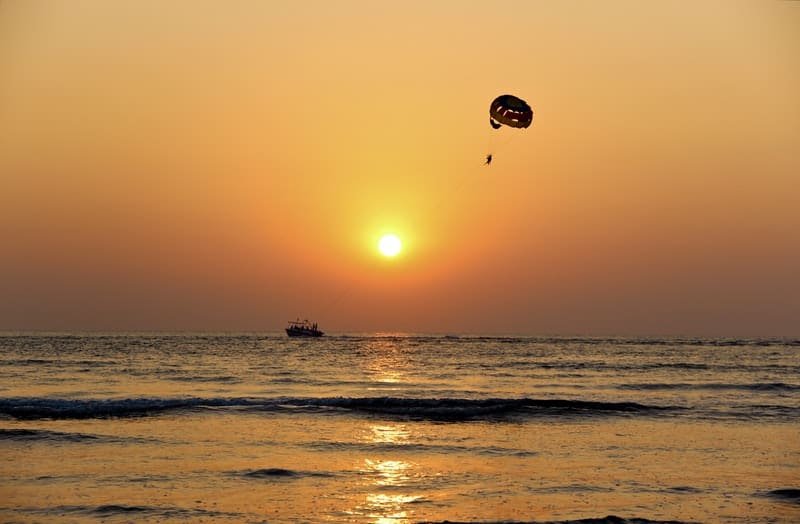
[(397, 428)]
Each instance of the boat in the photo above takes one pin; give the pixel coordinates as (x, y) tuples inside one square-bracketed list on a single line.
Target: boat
[(303, 328)]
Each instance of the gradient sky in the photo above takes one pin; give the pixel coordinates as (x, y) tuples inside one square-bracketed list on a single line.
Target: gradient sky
[(198, 165)]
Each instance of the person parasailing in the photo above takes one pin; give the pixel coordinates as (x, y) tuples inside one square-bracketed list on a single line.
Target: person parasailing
[(508, 110)]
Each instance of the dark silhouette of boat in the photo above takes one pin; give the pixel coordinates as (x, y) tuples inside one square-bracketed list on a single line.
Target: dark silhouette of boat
[(302, 328)]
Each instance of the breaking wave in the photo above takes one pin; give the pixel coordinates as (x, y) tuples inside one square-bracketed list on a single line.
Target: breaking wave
[(455, 409)]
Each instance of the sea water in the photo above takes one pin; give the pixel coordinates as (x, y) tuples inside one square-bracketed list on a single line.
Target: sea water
[(395, 428)]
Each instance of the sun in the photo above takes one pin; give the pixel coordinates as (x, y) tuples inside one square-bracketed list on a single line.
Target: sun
[(389, 245)]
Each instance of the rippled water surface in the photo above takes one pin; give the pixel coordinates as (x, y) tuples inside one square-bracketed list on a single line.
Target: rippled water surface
[(397, 428)]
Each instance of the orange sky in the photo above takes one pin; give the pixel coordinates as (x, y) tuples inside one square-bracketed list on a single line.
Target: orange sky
[(231, 165)]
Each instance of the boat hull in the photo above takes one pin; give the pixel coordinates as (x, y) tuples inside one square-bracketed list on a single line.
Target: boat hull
[(300, 332)]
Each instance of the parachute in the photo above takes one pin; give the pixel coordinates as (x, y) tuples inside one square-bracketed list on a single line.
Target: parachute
[(511, 111)]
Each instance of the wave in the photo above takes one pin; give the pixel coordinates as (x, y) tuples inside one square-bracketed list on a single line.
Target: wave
[(224, 379), (270, 473), (454, 409), (785, 495), (43, 435), (585, 340), (34, 435), (111, 511), (280, 473), (449, 408), (610, 519), (533, 362), (408, 447), (759, 386)]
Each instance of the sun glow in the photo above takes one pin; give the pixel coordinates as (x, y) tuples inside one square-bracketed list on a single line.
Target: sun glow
[(389, 245)]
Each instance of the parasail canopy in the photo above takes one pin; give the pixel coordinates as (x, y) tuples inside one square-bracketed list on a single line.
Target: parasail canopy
[(511, 111)]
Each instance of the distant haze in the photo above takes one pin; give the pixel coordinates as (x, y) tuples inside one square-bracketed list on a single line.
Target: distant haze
[(230, 166)]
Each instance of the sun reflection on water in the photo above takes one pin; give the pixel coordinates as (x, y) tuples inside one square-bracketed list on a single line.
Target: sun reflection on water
[(388, 478), (389, 434), (386, 362), (389, 508), (387, 472)]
